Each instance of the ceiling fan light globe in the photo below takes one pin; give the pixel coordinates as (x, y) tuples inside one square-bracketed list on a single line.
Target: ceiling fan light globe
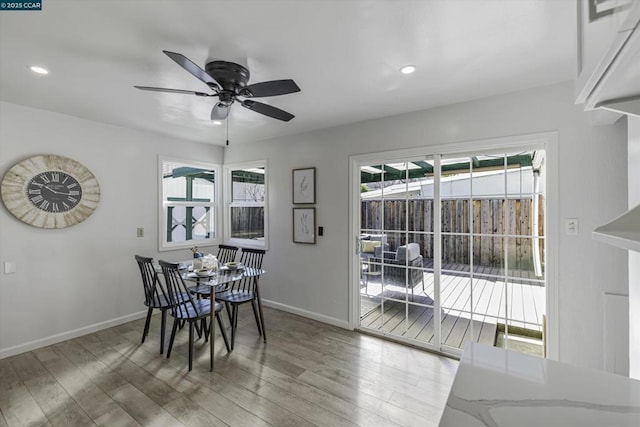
[(408, 69)]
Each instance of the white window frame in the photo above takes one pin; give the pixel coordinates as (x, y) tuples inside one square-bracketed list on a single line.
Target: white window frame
[(163, 245), (245, 243)]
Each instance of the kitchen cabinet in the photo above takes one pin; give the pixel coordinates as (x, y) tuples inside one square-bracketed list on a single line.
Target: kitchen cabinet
[(623, 232), (609, 55)]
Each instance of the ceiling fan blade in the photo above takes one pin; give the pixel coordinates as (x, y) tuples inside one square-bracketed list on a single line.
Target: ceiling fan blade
[(161, 89), (270, 88), (267, 110), (191, 67), (220, 111)]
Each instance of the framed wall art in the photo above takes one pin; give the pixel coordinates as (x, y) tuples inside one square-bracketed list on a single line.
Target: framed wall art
[(304, 186), (304, 225)]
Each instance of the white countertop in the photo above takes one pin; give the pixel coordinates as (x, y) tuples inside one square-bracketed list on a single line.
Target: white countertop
[(494, 387)]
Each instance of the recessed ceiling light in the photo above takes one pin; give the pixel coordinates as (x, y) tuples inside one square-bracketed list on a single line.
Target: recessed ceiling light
[(217, 122), (407, 69), (39, 70)]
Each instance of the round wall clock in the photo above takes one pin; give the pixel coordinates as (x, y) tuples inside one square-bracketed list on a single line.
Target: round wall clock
[(50, 191)]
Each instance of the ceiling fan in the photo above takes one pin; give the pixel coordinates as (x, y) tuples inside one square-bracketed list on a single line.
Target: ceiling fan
[(228, 81)]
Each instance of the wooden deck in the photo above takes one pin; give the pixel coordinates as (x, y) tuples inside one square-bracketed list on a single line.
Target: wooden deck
[(521, 301)]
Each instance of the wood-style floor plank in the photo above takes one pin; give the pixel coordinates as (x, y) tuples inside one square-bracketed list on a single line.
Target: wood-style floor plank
[(308, 374), (17, 405), (58, 406)]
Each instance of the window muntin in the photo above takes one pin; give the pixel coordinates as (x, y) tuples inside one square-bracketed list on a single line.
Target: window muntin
[(246, 198), (188, 206)]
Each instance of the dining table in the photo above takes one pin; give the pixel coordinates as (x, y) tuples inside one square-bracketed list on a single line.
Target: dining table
[(220, 281)]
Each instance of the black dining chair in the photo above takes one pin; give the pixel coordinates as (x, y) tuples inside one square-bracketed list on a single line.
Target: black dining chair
[(244, 291), (155, 296), (226, 253), (185, 308)]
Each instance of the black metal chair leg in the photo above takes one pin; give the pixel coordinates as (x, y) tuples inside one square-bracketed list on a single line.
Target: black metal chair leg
[(205, 329), (198, 327), (173, 335), (229, 312), (264, 331), (190, 345), (163, 322), (255, 315), (234, 324), (146, 325), (223, 332)]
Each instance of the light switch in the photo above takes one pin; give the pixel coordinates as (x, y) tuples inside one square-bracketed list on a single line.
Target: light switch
[(140, 232), (571, 226), (9, 267)]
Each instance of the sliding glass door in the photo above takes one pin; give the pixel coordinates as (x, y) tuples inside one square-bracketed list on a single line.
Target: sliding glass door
[(451, 249)]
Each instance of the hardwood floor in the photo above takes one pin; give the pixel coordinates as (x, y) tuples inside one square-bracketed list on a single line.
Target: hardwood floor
[(308, 373)]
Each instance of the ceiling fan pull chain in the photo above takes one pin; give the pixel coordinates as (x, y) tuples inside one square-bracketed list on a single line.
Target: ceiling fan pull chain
[(227, 130)]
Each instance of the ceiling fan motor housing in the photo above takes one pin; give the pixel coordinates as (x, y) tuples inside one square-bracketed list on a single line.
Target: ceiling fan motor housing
[(228, 80), (229, 75)]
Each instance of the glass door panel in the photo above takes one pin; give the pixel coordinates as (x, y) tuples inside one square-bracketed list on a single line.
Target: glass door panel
[(396, 232), (452, 249)]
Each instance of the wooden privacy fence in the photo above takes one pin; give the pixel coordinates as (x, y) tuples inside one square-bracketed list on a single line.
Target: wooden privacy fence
[(247, 222), (490, 217)]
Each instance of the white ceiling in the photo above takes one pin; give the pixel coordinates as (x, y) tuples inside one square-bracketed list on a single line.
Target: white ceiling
[(344, 55)]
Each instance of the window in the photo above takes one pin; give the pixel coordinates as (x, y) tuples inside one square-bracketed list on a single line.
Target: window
[(246, 198), (188, 204)]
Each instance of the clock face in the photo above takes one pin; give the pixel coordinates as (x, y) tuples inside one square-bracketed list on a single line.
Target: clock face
[(54, 191), (50, 191)]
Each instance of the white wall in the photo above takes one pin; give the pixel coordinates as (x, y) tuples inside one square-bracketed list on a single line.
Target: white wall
[(592, 187), (73, 280), (634, 257)]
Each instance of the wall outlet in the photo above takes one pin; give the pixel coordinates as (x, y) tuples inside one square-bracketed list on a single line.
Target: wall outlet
[(140, 232), (571, 226)]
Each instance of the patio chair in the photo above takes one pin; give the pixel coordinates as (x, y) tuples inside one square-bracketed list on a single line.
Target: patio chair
[(396, 264), (373, 245), (370, 270)]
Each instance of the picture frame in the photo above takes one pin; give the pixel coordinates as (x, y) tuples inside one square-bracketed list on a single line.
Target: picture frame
[(304, 225), (601, 8), (304, 186)]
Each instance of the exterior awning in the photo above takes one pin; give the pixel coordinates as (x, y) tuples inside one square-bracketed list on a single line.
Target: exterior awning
[(421, 169)]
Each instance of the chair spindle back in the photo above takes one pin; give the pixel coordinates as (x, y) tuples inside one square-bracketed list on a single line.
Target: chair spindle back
[(181, 300), (226, 253), (149, 280), (251, 258)]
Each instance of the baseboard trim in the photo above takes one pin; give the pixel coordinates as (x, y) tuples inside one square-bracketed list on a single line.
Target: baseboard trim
[(308, 314), (54, 339)]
